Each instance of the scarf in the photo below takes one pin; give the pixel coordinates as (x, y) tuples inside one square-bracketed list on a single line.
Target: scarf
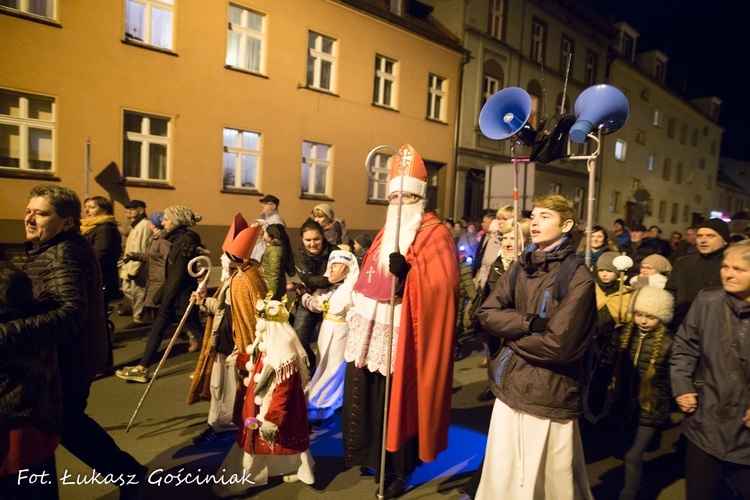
[(88, 225)]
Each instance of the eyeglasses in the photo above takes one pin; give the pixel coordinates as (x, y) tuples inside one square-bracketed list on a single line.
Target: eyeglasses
[(406, 197)]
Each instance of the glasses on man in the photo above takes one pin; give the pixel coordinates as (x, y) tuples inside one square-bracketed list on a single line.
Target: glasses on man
[(406, 197)]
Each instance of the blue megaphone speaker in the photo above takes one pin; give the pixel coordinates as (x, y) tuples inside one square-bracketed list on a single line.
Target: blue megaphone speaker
[(506, 114), (602, 106)]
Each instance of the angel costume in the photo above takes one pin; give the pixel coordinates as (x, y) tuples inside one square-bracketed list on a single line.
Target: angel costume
[(274, 440), (326, 393)]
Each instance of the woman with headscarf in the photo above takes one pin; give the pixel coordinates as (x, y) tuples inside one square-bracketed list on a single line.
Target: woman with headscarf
[(277, 260), (174, 296)]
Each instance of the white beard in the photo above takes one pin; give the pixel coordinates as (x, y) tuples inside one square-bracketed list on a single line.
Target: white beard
[(411, 219)]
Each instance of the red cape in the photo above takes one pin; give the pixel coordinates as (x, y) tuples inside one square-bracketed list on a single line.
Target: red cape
[(423, 374)]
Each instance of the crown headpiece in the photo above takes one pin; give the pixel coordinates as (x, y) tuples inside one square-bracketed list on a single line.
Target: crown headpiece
[(272, 310)]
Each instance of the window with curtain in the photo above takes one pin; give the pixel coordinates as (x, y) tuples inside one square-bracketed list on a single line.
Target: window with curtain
[(246, 39), (146, 146), (150, 22), (380, 169), (321, 57), (384, 92), (436, 95), (240, 161), (316, 168), (41, 8), (27, 131)]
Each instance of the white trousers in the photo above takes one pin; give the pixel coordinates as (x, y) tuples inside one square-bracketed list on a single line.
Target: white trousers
[(137, 296), (223, 391), (532, 458)]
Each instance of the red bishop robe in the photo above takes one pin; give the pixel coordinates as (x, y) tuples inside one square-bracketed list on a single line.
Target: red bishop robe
[(423, 373)]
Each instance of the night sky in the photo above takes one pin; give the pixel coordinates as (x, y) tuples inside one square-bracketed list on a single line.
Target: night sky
[(709, 53)]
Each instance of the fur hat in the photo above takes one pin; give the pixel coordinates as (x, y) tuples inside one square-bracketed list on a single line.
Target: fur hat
[(659, 263), (606, 262), (717, 225), (325, 209), (654, 302)]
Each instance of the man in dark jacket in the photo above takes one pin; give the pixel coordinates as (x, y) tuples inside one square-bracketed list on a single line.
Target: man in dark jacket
[(67, 285), (638, 248), (696, 271), (536, 374)]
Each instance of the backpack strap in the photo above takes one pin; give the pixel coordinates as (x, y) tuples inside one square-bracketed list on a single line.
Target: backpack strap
[(568, 268)]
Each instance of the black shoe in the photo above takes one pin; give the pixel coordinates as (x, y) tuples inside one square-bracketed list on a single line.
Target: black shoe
[(211, 436), (485, 395), (135, 324), (394, 488)]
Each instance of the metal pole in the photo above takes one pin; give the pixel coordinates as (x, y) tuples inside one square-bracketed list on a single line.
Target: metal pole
[(389, 339)]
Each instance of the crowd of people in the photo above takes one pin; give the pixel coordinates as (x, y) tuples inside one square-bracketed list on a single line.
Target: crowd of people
[(620, 335)]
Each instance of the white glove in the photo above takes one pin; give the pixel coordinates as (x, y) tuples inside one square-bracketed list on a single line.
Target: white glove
[(268, 432)]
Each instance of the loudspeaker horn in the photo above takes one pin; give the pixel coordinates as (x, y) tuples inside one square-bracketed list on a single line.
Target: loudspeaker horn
[(602, 106), (506, 114)]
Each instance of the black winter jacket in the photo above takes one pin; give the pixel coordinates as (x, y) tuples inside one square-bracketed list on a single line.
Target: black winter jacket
[(311, 268), (691, 274), (106, 241), (620, 363), (178, 284), (540, 372), (67, 283)]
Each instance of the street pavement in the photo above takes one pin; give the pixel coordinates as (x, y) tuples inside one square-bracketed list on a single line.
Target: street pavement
[(161, 438)]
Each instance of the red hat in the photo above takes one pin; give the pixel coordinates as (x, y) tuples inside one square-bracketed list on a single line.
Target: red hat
[(241, 238), (415, 173)]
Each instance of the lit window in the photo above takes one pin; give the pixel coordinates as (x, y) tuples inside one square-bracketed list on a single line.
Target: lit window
[(620, 149), (240, 159), (554, 188), (245, 39), (150, 22), (27, 131), (41, 8), (438, 87), (316, 167), (651, 163), (384, 92), (320, 60), (146, 148), (657, 118), (380, 169)]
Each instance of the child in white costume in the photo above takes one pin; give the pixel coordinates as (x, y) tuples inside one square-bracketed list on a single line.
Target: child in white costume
[(326, 391), (274, 440)]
